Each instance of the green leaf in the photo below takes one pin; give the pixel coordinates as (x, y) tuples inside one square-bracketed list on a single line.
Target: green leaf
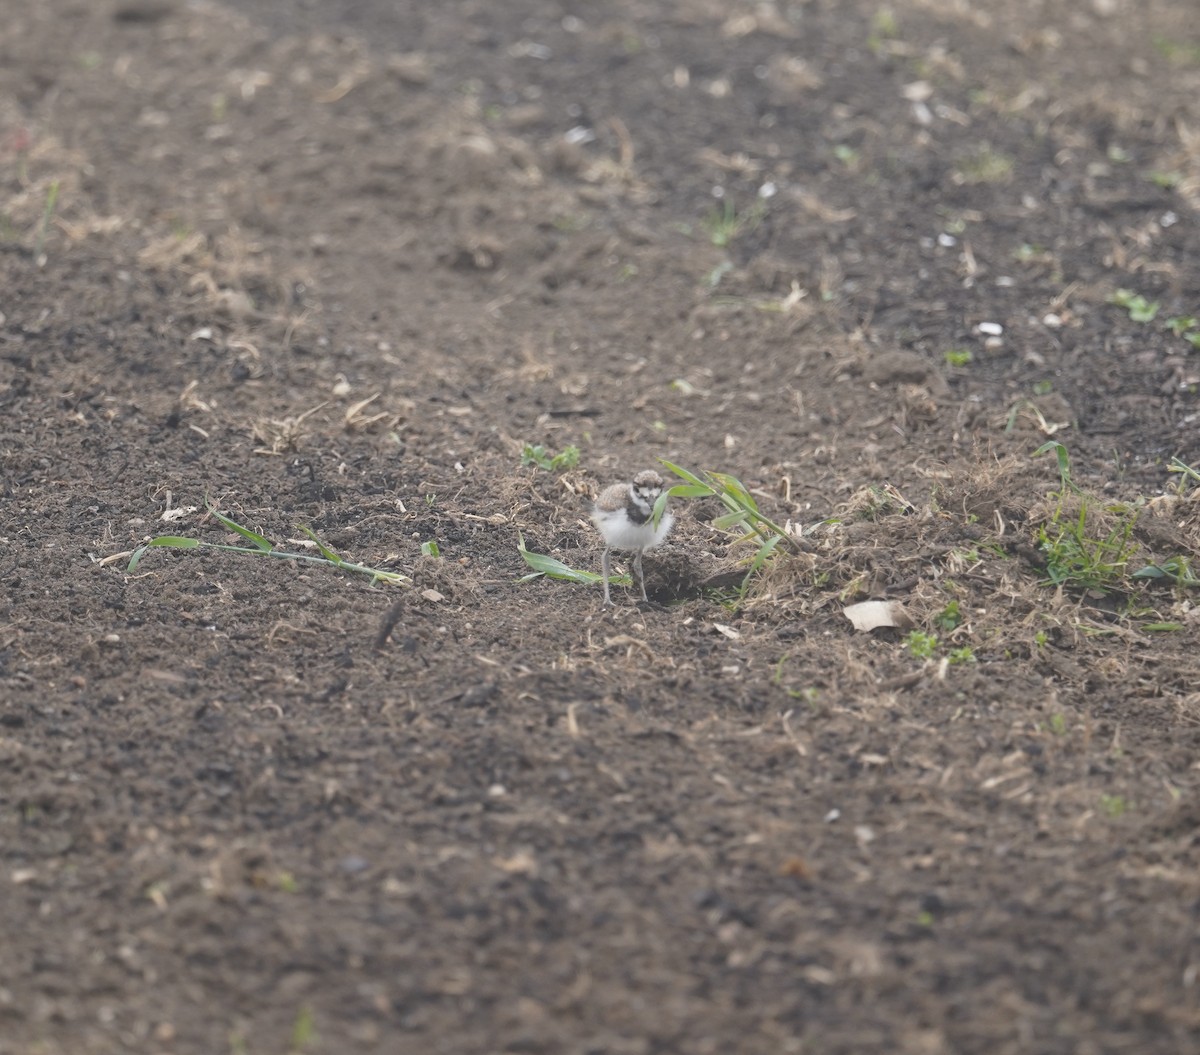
[(430, 549), (660, 507), (1064, 461), (260, 541), (553, 568), (1151, 571), (170, 541), (1161, 628), (326, 552), (1178, 465), (1144, 312), (683, 474), (174, 542), (764, 552), (691, 491), (536, 454), (728, 521), (735, 489)]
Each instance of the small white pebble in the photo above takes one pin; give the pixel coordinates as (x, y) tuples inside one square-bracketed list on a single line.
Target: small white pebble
[(832, 816), (497, 791), (990, 329), (947, 241), (579, 135), (1051, 320)]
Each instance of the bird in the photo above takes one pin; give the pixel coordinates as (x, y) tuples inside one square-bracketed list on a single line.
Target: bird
[(623, 514)]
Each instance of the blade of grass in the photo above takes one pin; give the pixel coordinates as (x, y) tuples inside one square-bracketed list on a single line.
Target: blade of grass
[(173, 541), (326, 552), (553, 568), (47, 216), (261, 546), (260, 541), (683, 474)]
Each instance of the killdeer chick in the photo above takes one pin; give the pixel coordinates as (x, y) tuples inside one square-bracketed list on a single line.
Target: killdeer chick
[(622, 515)]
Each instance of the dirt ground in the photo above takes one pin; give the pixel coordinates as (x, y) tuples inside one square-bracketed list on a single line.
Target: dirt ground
[(333, 265)]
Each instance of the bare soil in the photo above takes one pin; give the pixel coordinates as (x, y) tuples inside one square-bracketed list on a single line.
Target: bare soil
[(333, 265)]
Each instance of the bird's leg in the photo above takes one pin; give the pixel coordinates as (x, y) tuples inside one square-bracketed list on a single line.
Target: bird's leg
[(606, 568), (637, 566)]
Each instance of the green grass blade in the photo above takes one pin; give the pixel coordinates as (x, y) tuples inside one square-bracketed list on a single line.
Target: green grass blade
[(728, 521), (553, 568), (735, 489), (1064, 462), (1178, 465), (660, 507), (764, 552), (683, 474), (170, 541), (173, 542), (260, 541), (47, 216), (326, 552), (691, 491)]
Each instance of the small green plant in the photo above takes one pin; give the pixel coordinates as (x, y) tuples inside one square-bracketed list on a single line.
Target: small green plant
[(1178, 51), (966, 654), (986, 165), (1178, 570), (430, 549), (921, 645), (949, 617), (958, 356), (724, 223), (47, 216), (261, 546), (1167, 179), (536, 454), (1074, 558), (1057, 723), (743, 518), (1140, 309), (847, 155), (808, 695), (1185, 326), (1113, 806), (304, 1030), (884, 28), (1178, 465)]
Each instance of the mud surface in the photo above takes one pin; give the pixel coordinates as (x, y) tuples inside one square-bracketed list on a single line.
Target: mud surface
[(333, 266)]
